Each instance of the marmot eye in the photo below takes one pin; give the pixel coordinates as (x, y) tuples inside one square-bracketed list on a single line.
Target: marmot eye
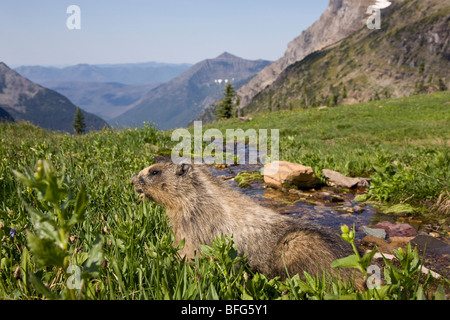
[(154, 172)]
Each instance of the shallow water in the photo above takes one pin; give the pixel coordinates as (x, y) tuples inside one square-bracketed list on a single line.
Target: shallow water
[(307, 206)]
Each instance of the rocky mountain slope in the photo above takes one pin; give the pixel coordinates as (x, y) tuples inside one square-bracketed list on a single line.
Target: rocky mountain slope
[(409, 54), (24, 100), (340, 19), (5, 116), (179, 101)]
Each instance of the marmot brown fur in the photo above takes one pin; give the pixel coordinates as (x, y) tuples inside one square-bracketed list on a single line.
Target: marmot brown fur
[(200, 206)]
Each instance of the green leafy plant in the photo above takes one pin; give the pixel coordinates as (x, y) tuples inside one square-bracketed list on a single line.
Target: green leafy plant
[(405, 280), (49, 243), (355, 260), (221, 262)]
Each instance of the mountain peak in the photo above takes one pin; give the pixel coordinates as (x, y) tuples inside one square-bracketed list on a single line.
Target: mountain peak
[(179, 101), (4, 68), (227, 56)]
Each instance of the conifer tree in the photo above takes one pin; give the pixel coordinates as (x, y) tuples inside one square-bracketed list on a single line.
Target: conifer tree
[(224, 109), (78, 122)]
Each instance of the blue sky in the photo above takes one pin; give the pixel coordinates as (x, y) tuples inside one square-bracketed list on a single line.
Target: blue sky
[(174, 31)]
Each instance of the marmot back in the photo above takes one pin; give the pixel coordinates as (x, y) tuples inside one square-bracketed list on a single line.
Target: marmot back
[(201, 207)]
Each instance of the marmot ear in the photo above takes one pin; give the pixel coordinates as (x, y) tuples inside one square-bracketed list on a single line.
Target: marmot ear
[(161, 159), (183, 169)]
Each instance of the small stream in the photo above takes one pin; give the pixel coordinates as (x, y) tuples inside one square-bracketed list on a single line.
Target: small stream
[(327, 206), (311, 205)]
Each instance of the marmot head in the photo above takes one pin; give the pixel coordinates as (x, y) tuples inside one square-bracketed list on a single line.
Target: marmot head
[(165, 183)]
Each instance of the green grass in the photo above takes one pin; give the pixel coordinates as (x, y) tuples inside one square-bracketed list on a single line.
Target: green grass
[(125, 250)]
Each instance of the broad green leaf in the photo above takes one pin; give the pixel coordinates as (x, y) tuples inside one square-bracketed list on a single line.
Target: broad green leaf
[(93, 263), (347, 262), (44, 226), (207, 250), (310, 280), (351, 296), (81, 203), (23, 178), (379, 292), (41, 186), (367, 259), (212, 293), (181, 245), (41, 288), (79, 258), (420, 295), (46, 252), (47, 185), (304, 287), (440, 293), (25, 267)]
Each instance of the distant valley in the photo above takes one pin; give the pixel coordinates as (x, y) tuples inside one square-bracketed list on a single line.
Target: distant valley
[(107, 100), (106, 90), (24, 100)]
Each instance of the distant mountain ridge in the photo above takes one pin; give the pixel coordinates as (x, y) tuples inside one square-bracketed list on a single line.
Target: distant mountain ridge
[(24, 100), (179, 101), (128, 73)]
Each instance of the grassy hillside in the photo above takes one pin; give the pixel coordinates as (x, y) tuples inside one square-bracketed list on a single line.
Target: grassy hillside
[(81, 210), (408, 55)]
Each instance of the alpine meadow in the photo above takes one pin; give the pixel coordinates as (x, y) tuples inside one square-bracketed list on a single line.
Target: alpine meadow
[(67, 201), (96, 110)]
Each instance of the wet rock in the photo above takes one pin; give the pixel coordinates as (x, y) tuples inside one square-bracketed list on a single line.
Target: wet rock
[(371, 241), (378, 233), (431, 244), (385, 246), (337, 179), (344, 209), (397, 230), (399, 242), (300, 193), (328, 196), (222, 166), (434, 234), (224, 177), (358, 209), (279, 174)]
